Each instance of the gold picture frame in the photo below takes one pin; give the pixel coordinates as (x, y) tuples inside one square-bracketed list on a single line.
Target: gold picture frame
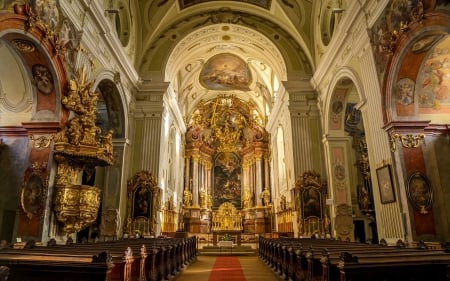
[(385, 185), (34, 188), (420, 193)]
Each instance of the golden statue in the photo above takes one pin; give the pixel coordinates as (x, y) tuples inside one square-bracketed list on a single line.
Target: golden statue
[(202, 198), (187, 198), (248, 199), (265, 196)]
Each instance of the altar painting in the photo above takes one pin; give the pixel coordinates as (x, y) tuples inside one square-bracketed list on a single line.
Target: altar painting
[(227, 179)]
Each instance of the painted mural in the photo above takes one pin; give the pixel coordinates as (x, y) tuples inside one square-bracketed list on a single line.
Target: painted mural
[(226, 72), (389, 26), (227, 179), (434, 80), (261, 3)]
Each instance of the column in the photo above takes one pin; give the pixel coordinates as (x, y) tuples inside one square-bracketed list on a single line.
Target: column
[(306, 126), (148, 111), (187, 172), (195, 178), (259, 182)]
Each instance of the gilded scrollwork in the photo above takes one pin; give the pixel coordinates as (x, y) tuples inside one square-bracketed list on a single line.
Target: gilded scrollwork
[(78, 149), (41, 142), (407, 141), (76, 206)]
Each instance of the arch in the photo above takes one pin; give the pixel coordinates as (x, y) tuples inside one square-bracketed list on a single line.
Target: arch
[(437, 25), (342, 74), (115, 101), (290, 43), (185, 63)]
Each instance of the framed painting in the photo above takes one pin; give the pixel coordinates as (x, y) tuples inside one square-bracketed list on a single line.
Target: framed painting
[(419, 192), (385, 185)]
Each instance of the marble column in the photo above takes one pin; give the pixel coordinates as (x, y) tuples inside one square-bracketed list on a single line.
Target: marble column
[(195, 177), (148, 111), (259, 182)]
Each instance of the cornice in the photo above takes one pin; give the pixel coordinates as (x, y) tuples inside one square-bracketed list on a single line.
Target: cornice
[(351, 36), (114, 55)]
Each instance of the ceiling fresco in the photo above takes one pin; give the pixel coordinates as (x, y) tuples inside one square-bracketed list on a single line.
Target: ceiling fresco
[(260, 3), (225, 72)]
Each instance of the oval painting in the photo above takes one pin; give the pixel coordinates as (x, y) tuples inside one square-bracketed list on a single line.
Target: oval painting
[(226, 72)]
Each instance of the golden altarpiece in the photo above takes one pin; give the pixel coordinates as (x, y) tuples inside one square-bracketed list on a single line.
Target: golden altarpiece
[(309, 195), (143, 205), (227, 177)]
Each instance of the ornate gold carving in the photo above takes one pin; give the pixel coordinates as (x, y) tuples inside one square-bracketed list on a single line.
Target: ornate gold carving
[(390, 38), (309, 193), (76, 206), (81, 139), (24, 46), (78, 149), (41, 142), (227, 217), (144, 203), (408, 141)]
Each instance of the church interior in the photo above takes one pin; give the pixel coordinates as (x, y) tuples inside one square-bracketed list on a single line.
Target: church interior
[(224, 120)]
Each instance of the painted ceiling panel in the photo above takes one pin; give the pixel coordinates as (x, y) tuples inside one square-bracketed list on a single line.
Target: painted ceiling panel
[(261, 3)]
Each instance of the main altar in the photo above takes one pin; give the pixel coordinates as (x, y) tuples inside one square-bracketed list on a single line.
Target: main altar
[(227, 175)]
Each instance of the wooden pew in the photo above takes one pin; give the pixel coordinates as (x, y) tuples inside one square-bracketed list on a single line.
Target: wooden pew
[(124, 260), (327, 260)]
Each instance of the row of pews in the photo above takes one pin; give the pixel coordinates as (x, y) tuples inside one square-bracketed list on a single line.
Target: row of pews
[(150, 259), (304, 259)]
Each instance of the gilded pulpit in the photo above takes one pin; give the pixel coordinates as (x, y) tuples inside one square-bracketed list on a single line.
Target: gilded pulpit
[(78, 149)]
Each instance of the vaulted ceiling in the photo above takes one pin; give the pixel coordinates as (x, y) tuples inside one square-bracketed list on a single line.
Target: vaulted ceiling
[(172, 40)]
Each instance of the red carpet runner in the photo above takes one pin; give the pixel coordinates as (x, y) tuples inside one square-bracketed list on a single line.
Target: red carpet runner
[(227, 268)]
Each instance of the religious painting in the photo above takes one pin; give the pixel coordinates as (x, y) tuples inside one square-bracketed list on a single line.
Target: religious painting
[(385, 185), (434, 79), (419, 192), (142, 202), (226, 72), (312, 203), (227, 179), (33, 190), (43, 79), (260, 3), (337, 108), (31, 195)]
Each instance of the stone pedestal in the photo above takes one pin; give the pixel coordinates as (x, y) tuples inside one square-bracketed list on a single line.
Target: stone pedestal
[(192, 220)]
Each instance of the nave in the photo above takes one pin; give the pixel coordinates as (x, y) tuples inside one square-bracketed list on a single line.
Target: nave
[(253, 269)]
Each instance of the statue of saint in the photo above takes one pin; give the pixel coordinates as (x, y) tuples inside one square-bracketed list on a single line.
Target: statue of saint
[(203, 198), (248, 199), (187, 197), (265, 195)]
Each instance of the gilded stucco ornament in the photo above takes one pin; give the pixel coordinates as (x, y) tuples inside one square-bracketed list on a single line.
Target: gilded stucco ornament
[(407, 141)]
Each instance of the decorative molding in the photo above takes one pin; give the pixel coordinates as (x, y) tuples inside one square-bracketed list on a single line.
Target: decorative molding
[(407, 141), (42, 141)]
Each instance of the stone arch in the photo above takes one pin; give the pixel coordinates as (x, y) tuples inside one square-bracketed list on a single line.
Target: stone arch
[(114, 103), (346, 144), (411, 121)]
